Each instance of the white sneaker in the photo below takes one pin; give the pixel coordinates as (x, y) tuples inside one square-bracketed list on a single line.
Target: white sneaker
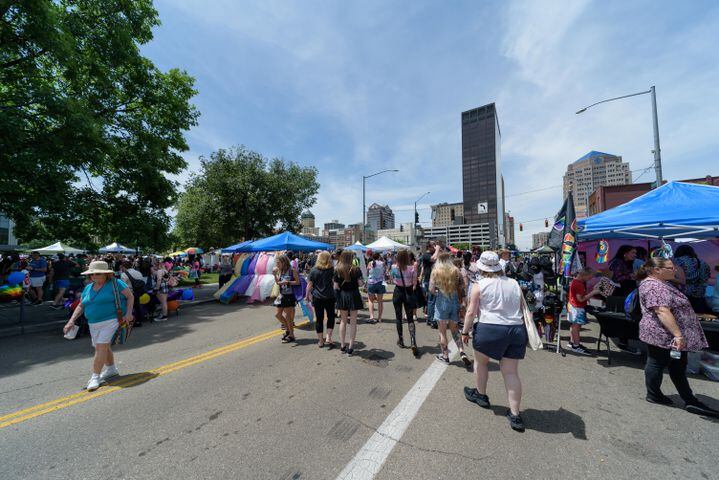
[(94, 383), (161, 318), (108, 373)]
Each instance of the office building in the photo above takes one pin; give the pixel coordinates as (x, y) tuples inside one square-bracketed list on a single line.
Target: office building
[(482, 183), (7, 236), (594, 170), (445, 214), (404, 234), (380, 217), (333, 225), (509, 229), (308, 224), (476, 234), (539, 239)]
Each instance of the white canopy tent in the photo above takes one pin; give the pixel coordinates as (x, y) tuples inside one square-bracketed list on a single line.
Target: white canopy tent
[(384, 243), (115, 247), (56, 248)]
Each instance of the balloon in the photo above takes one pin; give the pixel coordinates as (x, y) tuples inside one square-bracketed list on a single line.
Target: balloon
[(16, 277), (188, 294), (144, 299)]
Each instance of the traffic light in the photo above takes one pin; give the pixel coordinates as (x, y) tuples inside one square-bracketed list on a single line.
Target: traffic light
[(521, 227), (546, 223), (416, 217)]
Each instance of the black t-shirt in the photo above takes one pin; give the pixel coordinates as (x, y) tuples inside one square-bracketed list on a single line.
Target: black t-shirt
[(321, 279), (62, 269), (352, 283), (426, 260)]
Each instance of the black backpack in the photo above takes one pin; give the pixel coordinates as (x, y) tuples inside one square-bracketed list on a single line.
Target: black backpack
[(138, 285)]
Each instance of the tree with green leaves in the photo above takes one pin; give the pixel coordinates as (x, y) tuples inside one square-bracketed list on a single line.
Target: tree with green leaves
[(90, 130), (241, 195)]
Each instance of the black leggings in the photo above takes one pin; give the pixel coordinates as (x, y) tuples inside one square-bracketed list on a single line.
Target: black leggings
[(403, 297), (322, 306), (657, 360)]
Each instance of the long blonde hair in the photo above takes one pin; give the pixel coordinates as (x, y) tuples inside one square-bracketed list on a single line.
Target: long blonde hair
[(445, 275), (323, 261)]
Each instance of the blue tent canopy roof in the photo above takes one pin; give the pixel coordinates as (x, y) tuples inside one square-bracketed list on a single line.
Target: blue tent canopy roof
[(288, 241), (238, 248), (674, 210)]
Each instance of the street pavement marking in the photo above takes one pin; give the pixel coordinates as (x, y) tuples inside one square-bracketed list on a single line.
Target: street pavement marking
[(131, 380), (369, 460)]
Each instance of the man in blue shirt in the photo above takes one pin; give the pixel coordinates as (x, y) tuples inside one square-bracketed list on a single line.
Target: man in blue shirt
[(37, 268)]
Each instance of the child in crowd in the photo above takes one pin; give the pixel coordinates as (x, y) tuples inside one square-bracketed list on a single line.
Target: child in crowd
[(576, 314)]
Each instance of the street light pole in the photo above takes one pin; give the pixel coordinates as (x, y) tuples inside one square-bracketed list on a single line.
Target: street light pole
[(657, 150), (416, 224), (364, 205)]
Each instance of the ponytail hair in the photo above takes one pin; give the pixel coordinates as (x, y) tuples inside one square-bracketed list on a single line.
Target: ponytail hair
[(649, 265)]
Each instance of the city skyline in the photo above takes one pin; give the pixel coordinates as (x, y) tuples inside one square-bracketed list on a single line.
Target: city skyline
[(355, 96)]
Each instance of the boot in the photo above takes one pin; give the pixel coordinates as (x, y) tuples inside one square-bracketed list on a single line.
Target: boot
[(400, 342), (413, 339)]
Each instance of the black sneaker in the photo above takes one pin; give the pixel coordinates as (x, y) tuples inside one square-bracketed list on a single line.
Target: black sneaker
[(330, 345), (661, 400), (474, 396), (343, 348), (698, 408), (434, 326), (465, 359), (443, 359), (580, 350), (350, 351), (515, 421), (400, 343)]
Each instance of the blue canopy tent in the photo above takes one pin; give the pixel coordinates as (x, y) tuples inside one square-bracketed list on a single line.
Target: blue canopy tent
[(288, 241), (357, 246), (239, 248), (674, 210)]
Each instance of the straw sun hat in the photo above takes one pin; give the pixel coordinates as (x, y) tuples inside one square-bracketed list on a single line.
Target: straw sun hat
[(97, 267)]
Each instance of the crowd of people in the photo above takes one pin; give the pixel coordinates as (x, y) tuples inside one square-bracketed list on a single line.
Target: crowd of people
[(470, 296)]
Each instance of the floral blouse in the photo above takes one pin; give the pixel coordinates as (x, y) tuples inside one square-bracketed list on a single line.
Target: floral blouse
[(657, 293), (697, 273)]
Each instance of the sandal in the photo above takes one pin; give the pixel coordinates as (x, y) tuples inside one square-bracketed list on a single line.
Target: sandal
[(288, 339)]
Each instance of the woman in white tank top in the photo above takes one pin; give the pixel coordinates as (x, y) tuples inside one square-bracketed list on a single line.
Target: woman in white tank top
[(499, 334)]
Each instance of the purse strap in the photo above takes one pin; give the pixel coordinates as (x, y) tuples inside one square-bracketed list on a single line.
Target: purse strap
[(116, 295)]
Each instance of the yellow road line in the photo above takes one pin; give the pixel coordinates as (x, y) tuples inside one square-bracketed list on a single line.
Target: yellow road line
[(131, 380)]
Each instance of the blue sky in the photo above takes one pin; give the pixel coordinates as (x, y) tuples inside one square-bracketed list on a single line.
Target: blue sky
[(353, 87)]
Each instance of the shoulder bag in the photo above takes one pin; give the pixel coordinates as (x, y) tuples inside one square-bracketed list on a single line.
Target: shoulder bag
[(534, 340), (123, 329)]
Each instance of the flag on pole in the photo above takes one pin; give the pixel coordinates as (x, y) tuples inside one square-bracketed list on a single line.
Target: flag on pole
[(563, 236)]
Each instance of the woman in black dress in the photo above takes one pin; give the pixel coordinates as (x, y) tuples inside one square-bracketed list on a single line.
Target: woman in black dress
[(348, 279)]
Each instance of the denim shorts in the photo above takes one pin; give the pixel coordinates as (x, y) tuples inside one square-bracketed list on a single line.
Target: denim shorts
[(500, 341), (62, 284), (446, 308), (376, 288)]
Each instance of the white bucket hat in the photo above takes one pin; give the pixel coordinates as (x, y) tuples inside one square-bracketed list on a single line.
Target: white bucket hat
[(489, 262), (97, 267)]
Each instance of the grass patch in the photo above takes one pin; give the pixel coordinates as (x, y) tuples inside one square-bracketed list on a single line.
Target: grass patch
[(204, 280)]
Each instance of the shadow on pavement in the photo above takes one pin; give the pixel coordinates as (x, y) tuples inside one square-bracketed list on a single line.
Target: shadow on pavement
[(550, 421), (23, 352), (133, 379)]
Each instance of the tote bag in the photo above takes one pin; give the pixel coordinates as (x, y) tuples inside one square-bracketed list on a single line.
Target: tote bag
[(534, 340)]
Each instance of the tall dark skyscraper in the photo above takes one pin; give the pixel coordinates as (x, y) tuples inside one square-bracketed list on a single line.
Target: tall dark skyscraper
[(482, 183)]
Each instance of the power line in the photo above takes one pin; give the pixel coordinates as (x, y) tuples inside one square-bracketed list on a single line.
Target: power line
[(532, 191)]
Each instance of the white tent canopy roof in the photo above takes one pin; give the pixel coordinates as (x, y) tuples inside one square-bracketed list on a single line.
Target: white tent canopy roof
[(385, 243), (58, 247), (115, 247)]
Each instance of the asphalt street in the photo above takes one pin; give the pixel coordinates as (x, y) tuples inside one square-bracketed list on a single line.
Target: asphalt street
[(255, 408)]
